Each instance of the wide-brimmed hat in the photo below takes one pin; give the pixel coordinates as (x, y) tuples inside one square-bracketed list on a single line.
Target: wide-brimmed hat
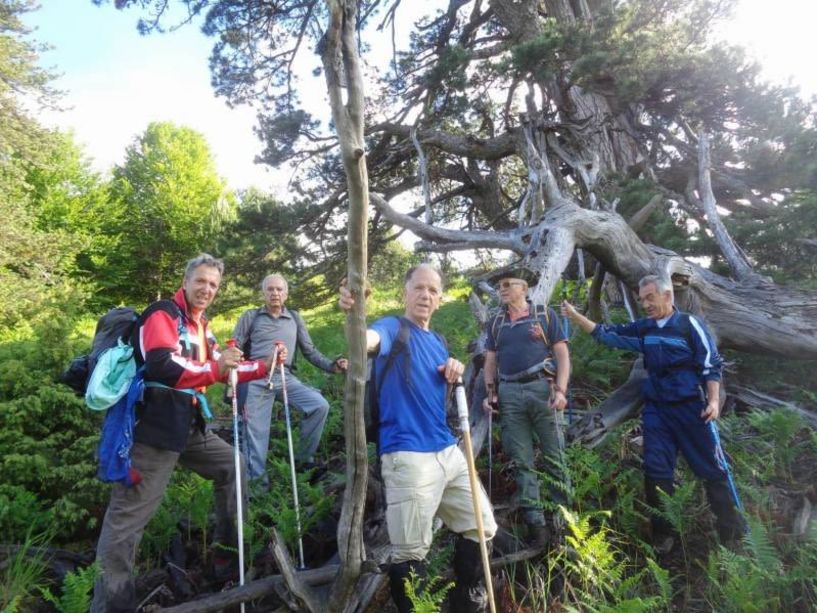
[(514, 271)]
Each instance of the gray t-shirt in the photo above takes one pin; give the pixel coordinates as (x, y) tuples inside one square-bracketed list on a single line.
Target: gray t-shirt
[(264, 330)]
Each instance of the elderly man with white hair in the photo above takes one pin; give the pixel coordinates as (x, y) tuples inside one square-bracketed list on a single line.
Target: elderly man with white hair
[(681, 398), (256, 333)]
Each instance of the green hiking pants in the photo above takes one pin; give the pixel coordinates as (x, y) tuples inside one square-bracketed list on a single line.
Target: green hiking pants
[(524, 413)]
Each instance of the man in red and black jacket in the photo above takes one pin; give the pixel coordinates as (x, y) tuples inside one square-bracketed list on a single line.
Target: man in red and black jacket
[(180, 358)]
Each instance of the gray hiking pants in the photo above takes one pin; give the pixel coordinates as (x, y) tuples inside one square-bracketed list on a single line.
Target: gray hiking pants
[(524, 412), (131, 508), (306, 400)]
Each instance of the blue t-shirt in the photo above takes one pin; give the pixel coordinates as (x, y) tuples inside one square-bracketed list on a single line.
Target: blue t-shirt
[(412, 404)]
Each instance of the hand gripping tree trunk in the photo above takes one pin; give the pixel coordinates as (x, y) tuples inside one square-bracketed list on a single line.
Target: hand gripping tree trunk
[(342, 68)]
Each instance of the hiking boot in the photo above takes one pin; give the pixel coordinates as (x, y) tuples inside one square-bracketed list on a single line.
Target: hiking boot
[(469, 594), (730, 523)]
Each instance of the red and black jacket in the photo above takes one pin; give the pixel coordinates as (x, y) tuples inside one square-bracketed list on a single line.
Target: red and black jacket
[(167, 343)]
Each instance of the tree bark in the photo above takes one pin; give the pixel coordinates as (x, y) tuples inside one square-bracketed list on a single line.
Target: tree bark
[(340, 59), (768, 319), (736, 259)]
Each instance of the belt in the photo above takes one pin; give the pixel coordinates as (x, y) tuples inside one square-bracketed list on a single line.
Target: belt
[(525, 379)]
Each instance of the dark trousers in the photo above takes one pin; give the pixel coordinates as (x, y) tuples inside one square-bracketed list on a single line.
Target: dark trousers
[(131, 508)]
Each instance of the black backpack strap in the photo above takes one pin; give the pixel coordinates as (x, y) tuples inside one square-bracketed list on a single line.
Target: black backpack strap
[(398, 346), (496, 325)]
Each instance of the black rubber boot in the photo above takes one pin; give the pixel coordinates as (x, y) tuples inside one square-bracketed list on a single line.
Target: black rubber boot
[(398, 573), (469, 594), (730, 523), (663, 534)]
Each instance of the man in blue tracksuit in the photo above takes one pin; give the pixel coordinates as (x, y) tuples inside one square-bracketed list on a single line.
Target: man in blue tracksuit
[(681, 396)]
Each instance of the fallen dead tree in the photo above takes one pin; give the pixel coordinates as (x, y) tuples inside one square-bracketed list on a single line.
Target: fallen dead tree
[(314, 578)]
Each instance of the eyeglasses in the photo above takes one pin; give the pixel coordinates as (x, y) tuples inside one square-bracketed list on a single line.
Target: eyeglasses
[(507, 284)]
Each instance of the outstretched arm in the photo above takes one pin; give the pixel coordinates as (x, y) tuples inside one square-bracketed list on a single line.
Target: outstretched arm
[(307, 347), (624, 336), (569, 311)]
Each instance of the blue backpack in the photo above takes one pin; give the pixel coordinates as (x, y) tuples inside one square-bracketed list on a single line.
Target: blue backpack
[(110, 381)]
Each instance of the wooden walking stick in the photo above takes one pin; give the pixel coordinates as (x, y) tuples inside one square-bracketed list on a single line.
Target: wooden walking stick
[(465, 426)]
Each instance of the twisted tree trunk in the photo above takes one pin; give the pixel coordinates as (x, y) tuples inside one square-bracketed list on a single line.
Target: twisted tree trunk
[(769, 320), (340, 58)]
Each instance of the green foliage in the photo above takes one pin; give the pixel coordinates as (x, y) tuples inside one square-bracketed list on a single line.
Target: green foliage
[(779, 430), (388, 266), (21, 79), (188, 501), (47, 437), (779, 243), (275, 506), (262, 239), (539, 57), (680, 510), (167, 202), (76, 591), (21, 511), (755, 580), (596, 573), (23, 572), (426, 594)]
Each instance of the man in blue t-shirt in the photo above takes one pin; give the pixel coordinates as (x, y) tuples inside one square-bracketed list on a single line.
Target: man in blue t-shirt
[(527, 368), (681, 398), (424, 472)]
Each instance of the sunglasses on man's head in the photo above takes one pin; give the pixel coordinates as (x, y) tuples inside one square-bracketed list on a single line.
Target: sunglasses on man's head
[(506, 283)]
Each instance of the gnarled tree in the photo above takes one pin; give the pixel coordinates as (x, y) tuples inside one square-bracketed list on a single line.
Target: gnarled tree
[(538, 127)]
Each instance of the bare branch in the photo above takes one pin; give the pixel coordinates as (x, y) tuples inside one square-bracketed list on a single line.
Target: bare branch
[(422, 172), (734, 256), (450, 238), (494, 148)]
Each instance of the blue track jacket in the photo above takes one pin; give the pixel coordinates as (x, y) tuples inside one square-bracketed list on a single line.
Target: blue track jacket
[(679, 357)]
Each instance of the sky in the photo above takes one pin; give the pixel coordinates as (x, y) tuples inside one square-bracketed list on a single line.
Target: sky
[(117, 82)]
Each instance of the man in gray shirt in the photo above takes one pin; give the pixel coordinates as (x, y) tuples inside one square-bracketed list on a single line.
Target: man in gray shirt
[(256, 333)]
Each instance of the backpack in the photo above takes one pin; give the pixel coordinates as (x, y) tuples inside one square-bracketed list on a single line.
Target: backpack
[(110, 380), (114, 326), (371, 396), (540, 311)]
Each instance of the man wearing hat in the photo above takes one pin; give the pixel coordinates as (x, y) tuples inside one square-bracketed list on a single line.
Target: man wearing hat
[(527, 367)]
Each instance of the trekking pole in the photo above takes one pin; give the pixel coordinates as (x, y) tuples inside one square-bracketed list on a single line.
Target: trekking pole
[(490, 449), (465, 426), (566, 330), (720, 456), (237, 456), (291, 455), (270, 385)]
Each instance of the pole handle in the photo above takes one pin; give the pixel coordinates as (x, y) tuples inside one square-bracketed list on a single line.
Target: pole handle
[(462, 404), (233, 372), (279, 345)]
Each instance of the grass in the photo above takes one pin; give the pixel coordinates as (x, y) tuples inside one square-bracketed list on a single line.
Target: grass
[(609, 565)]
